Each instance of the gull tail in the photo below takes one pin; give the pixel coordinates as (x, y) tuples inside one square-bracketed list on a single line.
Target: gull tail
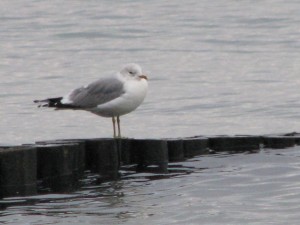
[(50, 102)]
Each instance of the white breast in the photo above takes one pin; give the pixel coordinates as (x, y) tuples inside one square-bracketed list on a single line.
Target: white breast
[(135, 93)]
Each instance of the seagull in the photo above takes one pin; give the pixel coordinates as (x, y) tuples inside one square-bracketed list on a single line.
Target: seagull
[(111, 96)]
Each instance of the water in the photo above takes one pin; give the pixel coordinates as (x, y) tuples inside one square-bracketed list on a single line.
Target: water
[(215, 67), (248, 188)]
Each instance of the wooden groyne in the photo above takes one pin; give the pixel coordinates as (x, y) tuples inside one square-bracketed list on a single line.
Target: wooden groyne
[(57, 165)]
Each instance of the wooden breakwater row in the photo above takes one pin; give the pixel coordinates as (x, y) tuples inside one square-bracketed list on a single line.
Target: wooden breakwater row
[(58, 165)]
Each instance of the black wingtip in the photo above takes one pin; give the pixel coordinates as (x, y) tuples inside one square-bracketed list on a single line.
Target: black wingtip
[(55, 103), (38, 102), (43, 103)]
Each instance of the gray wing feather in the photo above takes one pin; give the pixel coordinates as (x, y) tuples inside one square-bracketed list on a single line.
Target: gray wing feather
[(96, 93)]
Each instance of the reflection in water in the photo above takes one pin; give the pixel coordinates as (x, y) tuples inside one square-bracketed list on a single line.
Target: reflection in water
[(93, 185), (219, 184)]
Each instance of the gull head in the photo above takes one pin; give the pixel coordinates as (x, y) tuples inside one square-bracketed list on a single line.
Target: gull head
[(133, 71)]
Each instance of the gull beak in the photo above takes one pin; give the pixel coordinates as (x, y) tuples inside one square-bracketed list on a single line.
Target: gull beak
[(143, 77)]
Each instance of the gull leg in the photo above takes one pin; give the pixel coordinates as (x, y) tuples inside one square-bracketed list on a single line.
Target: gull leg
[(114, 125), (119, 127)]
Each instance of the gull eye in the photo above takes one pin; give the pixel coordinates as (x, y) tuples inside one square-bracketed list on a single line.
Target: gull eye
[(131, 73)]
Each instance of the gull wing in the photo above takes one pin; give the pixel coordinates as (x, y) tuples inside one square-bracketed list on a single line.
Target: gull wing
[(96, 93)]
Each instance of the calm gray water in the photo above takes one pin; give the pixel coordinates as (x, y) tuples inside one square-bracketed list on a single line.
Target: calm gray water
[(215, 67)]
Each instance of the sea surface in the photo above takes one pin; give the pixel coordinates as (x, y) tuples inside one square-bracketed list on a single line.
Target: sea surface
[(214, 67), (260, 188)]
